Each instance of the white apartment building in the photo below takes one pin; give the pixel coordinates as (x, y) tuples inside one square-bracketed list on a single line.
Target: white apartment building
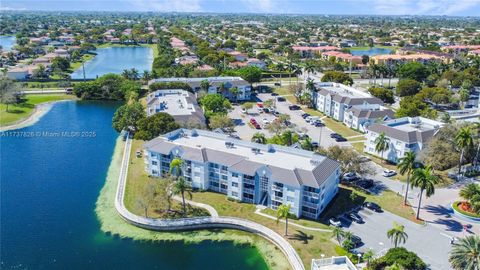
[(244, 87), (359, 117), (334, 99), (269, 175), (405, 134)]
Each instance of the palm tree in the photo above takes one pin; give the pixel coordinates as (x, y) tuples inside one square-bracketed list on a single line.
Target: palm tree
[(291, 67), (176, 167), (311, 87), (126, 74), (181, 187), (146, 76), (469, 191), (310, 68), (397, 234), (234, 91), (259, 138), (283, 211), (465, 254), (464, 140), (297, 71), (382, 143), (374, 68), (338, 233), (406, 165), (424, 179), (134, 74)]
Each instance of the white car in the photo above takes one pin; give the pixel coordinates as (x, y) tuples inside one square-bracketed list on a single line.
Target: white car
[(389, 173), (350, 176), (265, 121), (335, 222)]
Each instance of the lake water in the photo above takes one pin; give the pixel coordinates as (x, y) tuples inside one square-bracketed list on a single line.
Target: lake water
[(49, 186), (371, 51), (115, 60), (7, 42)]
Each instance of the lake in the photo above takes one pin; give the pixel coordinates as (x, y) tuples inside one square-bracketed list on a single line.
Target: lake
[(49, 186), (115, 60), (371, 52), (7, 42)]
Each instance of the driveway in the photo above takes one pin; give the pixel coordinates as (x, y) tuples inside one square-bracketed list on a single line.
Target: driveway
[(430, 243)]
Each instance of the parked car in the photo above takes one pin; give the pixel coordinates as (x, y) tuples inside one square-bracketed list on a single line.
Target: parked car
[(308, 118), (294, 107), (267, 110), (275, 113), (265, 121), (356, 241), (389, 173), (305, 115), (372, 206), (335, 222), (365, 183), (277, 84), (274, 94), (334, 135), (253, 121), (364, 159), (319, 124), (302, 135), (340, 139), (281, 99), (315, 144), (351, 176), (355, 217)]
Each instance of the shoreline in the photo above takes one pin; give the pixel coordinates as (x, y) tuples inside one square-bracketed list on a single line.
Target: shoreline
[(111, 223), (39, 111)]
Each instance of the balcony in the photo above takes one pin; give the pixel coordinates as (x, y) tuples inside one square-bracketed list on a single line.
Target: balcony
[(277, 188), (277, 198), (311, 194), (310, 205)]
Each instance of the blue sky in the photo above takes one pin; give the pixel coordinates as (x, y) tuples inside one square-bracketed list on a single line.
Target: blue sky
[(374, 7)]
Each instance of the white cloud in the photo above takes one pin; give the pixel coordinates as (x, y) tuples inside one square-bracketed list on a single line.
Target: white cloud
[(2, 8), (423, 7), (168, 5)]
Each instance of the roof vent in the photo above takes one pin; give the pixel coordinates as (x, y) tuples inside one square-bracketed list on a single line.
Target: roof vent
[(229, 144)]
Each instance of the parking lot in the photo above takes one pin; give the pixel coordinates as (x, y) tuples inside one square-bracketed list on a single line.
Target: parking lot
[(427, 241), (244, 131)]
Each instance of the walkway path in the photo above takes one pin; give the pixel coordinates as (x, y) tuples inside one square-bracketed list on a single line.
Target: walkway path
[(198, 222), (259, 212), (207, 207)]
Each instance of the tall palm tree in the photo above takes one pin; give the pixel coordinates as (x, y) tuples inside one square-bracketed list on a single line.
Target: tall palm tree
[(382, 143), (406, 165), (146, 76), (126, 74), (424, 179), (181, 187), (283, 211), (311, 87), (259, 138), (176, 167), (397, 234), (465, 254), (297, 71), (310, 68), (134, 74), (464, 140), (338, 233)]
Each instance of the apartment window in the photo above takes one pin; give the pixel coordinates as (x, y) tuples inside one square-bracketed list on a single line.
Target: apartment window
[(234, 184), (223, 186), (154, 172), (154, 163), (234, 194), (224, 177), (234, 174)]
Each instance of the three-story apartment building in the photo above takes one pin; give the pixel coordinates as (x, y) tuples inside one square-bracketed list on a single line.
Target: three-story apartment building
[(269, 175)]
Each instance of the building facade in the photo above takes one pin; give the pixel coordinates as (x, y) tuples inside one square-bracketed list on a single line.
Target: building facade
[(405, 134), (215, 85), (269, 175)]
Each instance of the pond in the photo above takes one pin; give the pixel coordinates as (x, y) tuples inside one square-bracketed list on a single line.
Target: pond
[(115, 60), (49, 186), (372, 51), (7, 42)]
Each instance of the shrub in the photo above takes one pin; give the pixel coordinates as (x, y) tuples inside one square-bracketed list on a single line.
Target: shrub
[(406, 259)]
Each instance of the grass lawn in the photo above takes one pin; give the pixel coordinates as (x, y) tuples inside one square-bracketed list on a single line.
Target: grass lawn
[(138, 178), (340, 128), (358, 146), (23, 110), (76, 64), (283, 91), (357, 139), (388, 200), (309, 244)]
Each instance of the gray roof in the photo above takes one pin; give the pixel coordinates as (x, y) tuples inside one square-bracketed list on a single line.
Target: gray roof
[(401, 135), (371, 114)]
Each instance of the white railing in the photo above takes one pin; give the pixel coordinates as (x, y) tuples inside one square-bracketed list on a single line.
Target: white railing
[(318, 264), (198, 222)]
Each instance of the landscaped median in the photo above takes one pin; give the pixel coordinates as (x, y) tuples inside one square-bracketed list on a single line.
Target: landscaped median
[(458, 208), (112, 223)]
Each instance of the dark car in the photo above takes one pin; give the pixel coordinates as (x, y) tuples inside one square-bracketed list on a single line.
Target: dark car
[(373, 206), (355, 217), (281, 99), (274, 94), (365, 183), (340, 139), (356, 241), (305, 115), (315, 144), (335, 135), (294, 107), (319, 123)]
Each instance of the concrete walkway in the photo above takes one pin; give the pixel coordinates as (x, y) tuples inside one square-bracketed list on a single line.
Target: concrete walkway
[(198, 222), (259, 212), (211, 210)]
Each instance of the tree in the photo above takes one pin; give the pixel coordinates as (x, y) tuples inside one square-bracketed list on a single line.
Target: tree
[(397, 234), (463, 140), (465, 254), (283, 211), (408, 87), (413, 70), (181, 187), (147, 197), (60, 63), (259, 137), (215, 103), (406, 259), (251, 74), (350, 160), (406, 165), (127, 116), (338, 233), (205, 84), (8, 92), (412, 106), (464, 95), (234, 91), (221, 121), (382, 93), (176, 167), (382, 143), (155, 125), (425, 179), (338, 77)]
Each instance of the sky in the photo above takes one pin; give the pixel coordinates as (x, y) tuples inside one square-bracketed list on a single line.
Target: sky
[(347, 7)]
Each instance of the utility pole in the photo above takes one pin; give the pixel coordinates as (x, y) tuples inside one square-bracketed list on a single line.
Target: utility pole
[(83, 68)]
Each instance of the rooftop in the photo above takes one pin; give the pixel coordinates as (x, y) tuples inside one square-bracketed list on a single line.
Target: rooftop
[(408, 129), (333, 263)]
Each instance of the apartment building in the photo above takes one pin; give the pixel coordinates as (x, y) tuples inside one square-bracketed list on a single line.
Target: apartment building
[(404, 134), (216, 83), (359, 117), (269, 175), (334, 99)]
